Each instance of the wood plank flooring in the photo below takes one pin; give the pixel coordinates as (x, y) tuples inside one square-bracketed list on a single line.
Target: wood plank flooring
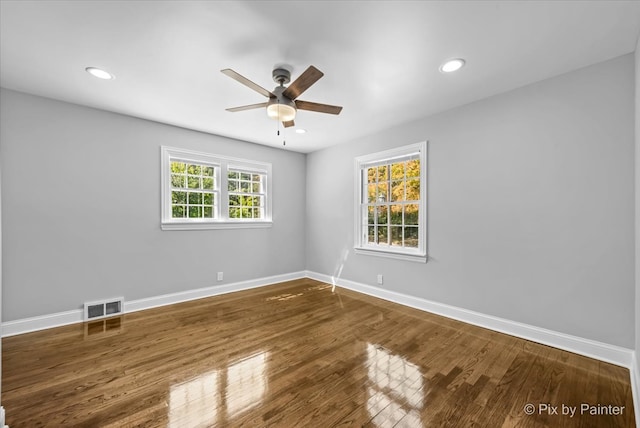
[(298, 354)]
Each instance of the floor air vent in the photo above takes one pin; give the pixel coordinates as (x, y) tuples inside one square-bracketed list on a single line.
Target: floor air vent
[(103, 308)]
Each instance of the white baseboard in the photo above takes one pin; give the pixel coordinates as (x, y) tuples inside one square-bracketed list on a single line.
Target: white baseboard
[(26, 325), (184, 296), (590, 348)]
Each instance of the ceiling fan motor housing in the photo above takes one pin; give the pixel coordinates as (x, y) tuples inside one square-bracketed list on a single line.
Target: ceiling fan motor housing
[(281, 76)]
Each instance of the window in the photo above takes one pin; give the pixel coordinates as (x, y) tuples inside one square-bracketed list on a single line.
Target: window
[(206, 191), (246, 194), (193, 190), (391, 203)]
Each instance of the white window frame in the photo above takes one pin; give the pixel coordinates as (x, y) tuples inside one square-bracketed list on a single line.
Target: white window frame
[(361, 245), (222, 164)]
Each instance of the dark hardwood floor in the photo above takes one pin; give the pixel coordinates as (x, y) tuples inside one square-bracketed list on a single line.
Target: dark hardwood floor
[(297, 354)]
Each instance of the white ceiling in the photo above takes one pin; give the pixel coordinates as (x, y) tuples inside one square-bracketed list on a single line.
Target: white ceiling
[(380, 58)]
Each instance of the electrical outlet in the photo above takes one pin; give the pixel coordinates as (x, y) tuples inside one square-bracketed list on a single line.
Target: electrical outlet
[(220, 276), (380, 279)]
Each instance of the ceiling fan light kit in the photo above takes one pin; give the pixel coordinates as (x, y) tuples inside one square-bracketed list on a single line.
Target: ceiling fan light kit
[(283, 103), (280, 107)]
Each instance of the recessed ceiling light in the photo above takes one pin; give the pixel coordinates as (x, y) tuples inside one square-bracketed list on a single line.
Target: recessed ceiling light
[(301, 131), (99, 73), (452, 65)]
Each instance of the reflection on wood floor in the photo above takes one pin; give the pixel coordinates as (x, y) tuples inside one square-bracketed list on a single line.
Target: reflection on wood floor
[(297, 354)]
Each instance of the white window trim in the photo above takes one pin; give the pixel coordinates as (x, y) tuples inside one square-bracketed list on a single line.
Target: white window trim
[(419, 254), (223, 163)]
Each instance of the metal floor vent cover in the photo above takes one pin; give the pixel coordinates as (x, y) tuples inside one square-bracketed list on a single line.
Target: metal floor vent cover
[(103, 308)]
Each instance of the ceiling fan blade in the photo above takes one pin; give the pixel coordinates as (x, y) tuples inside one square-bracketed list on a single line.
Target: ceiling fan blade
[(247, 107), (303, 82), (288, 124), (320, 108), (246, 82)]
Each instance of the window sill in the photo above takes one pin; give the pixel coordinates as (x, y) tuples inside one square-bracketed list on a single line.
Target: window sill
[(412, 257), (215, 225)]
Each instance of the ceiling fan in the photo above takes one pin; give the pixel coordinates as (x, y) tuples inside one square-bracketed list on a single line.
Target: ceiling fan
[(283, 102)]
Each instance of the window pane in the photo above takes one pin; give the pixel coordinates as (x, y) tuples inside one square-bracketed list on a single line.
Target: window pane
[(256, 177), (234, 200), (207, 171), (207, 199), (193, 182), (383, 192), (382, 173), (233, 175), (194, 169), (371, 217), (245, 176), (245, 187), (371, 189), (397, 171), (383, 212), (411, 212), (371, 236), (411, 237), (245, 212), (234, 212), (179, 167), (177, 180), (371, 175), (195, 212), (413, 168), (413, 190), (382, 235), (177, 211), (397, 190), (207, 183), (256, 213), (195, 198), (233, 186), (255, 187), (208, 212), (396, 236), (178, 197), (257, 201), (396, 214)]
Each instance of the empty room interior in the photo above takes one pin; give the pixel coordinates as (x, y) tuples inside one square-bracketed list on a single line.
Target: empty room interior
[(319, 213)]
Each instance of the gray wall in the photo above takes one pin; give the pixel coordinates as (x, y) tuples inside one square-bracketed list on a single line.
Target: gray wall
[(81, 210), (531, 206)]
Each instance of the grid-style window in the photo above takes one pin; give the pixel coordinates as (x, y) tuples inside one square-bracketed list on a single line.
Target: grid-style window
[(246, 194), (391, 203), (194, 193), (205, 191)]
